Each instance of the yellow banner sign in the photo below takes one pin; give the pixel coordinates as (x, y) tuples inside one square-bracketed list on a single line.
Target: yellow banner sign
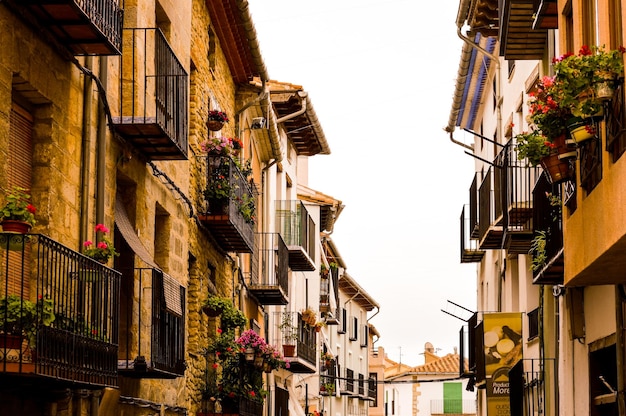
[(503, 349)]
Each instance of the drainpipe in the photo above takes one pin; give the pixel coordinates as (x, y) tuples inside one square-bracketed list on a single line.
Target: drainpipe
[(303, 95), (86, 145), (101, 142)]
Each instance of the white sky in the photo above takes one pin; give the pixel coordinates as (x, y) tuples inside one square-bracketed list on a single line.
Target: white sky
[(381, 74)]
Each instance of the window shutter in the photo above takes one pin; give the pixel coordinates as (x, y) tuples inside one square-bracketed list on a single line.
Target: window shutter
[(20, 147)]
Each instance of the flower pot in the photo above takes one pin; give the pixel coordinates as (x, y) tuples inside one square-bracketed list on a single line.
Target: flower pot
[(15, 226), (10, 341), (211, 312), (558, 170), (289, 350), (215, 125), (580, 130), (604, 90)]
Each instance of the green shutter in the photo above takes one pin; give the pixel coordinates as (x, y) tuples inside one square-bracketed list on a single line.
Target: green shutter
[(452, 398)]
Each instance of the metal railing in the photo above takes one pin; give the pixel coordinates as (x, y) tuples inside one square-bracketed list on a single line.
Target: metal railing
[(270, 262), (106, 16), (160, 313), (452, 406), (153, 85), (79, 294), (295, 225)]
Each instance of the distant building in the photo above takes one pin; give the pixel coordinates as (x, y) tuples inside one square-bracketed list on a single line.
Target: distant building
[(433, 388)]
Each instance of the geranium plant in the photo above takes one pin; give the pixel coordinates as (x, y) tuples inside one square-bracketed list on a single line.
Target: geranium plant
[(576, 76), (546, 111), (216, 115), (533, 146), (18, 206), (217, 146), (103, 250)]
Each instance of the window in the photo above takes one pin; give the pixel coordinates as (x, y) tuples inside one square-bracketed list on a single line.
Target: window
[(603, 376), (364, 335), (354, 328), (590, 24), (342, 328), (533, 324)]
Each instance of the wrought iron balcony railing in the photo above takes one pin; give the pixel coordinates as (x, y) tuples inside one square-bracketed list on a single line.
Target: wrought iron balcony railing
[(452, 406), (548, 219), (297, 228), (154, 96), (292, 330), (85, 27), (269, 270), (530, 380), (153, 328), (470, 253), (67, 312), (227, 203), (490, 210), (518, 181)]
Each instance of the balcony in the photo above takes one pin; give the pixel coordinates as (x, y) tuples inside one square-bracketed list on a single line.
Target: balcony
[(518, 39), (519, 181), (227, 218), (547, 15), (490, 231), (305, 338), (530, 381), (79, 347), (470, 253), (269, 270), (548, 218), (441, 407), (85, 27), (154, 96), (297, 228), (152, 343)]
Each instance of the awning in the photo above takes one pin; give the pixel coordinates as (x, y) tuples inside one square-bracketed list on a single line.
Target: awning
[(171, 288), (128, 232)]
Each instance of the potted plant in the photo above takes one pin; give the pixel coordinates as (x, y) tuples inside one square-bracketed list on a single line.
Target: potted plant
[(103, 250), (216, 120), (289, 334), (324, 271), (327, 358), (219, 146), (588, 78), (533, 147), (546, 111), (18, 214), (214, 305), (319, 325), (309, 316), (19, 318), (538, 250)]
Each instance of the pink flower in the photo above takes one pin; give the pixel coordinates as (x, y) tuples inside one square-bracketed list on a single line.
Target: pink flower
[(101, 228), (102, 245), (87, 243)]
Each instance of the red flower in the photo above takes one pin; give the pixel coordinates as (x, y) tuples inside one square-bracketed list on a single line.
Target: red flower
[(31, 208), (101, 228), (252, 393), (219, 330), (231, 394), (585, 50), (215, 365)]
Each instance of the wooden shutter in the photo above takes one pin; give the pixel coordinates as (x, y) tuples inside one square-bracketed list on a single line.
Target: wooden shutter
[(19, 174), (20, 147)]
